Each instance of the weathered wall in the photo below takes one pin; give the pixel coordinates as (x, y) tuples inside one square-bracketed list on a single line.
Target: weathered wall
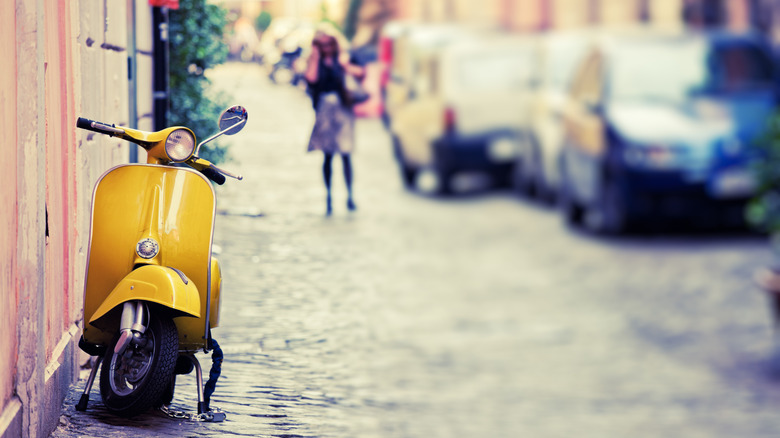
[(9, 407), (61, 59), (30, 196)]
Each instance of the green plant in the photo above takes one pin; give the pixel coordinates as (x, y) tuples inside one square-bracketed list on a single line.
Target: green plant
[(352, 18), (763, 211), (196, 45), (263, 21)]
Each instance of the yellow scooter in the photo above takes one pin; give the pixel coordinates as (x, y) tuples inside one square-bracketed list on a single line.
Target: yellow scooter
[(152, 290)]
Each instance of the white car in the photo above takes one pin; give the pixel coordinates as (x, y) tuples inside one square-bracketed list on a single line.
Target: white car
[(413, 44), (467, 110), (557, 55)]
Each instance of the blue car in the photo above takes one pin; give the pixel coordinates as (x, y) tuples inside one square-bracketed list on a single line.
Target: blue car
[(664, 125)]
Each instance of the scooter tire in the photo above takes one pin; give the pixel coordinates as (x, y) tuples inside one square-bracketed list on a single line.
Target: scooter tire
[(167, 396), (127, 397)]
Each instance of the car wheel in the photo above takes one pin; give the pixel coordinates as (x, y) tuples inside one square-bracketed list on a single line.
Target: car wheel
[(573, 212), (503, 177), (444, 177), (408, 176), (527, 177), (523, 178), (610, 215), (545, 194), (408, 172), (530, 178), (517, 176), (542, 187), (535, 171)]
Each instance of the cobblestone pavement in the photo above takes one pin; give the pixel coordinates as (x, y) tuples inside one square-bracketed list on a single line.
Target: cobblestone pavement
[(474, 316)]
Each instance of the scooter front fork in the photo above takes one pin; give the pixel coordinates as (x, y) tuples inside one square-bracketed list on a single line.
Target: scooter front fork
[(131, 324), (82, 404)]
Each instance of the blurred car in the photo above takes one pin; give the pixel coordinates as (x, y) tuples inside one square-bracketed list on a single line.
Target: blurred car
[(243, 42), (556, 56), (659, 124), (268, 47), (292, 51), (390, 32), (465, 111), (284, 35), (412, 46)]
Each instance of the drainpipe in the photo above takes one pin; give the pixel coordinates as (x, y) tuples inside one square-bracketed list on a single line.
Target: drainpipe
[(160, 49), (132, 77)]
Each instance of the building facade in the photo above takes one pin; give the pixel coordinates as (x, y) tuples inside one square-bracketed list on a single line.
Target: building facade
[(538, 15), (61, 59)]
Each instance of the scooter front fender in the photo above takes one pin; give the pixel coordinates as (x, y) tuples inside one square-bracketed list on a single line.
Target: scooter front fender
[(155, 284)]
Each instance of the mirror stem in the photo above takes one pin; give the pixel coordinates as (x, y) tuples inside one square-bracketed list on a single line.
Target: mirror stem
[(218, 134)]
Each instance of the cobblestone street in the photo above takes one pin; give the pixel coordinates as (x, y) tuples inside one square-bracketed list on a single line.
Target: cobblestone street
[(477, 315)]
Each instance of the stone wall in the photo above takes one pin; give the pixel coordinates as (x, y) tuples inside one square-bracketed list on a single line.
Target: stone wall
[(60, 60)]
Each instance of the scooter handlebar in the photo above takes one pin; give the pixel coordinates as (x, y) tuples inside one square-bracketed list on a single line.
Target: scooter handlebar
[(213, 175), (102, 128)]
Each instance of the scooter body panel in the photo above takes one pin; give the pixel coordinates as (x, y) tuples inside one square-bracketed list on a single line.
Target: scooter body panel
[(175, 207)]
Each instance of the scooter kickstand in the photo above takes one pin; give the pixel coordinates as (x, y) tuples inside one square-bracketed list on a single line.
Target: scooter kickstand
[(212, 416), (81, 406), (199, 378)]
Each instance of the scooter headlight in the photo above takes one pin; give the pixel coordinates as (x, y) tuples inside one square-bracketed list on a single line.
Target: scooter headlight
[(180, 145), (147, 248)]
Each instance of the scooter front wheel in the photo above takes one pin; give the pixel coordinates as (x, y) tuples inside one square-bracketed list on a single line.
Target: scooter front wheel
[(134, 381)]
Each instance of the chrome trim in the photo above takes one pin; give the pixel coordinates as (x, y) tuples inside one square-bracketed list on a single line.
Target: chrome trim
[(129, 316), (208, 275), (141, 313), (154, 243), (112, 129), (181, 274)]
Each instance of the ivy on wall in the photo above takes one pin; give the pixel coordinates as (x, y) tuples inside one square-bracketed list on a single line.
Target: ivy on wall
[(196, 44), (763, 211)]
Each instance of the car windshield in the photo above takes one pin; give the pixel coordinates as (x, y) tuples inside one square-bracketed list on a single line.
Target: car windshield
[(739, 67), (562, 58), (493, 71), (672, 72)]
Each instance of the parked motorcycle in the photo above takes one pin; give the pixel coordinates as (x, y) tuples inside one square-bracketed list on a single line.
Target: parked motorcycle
[(284, 70), (152, 290)]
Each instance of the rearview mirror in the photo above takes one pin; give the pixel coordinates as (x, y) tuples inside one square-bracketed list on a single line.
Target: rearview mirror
[(232, 120)]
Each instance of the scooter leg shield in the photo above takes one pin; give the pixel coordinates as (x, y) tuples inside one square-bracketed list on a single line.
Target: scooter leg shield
[(155, 284)]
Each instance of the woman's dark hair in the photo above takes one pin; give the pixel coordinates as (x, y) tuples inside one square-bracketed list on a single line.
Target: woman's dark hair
[(323, 39)]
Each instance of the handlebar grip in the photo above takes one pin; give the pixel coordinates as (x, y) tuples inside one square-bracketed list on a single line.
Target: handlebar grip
[(84, 123), (102, 128), (213, 175)]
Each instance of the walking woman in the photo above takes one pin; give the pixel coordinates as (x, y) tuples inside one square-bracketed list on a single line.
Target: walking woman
[(334, 124)]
